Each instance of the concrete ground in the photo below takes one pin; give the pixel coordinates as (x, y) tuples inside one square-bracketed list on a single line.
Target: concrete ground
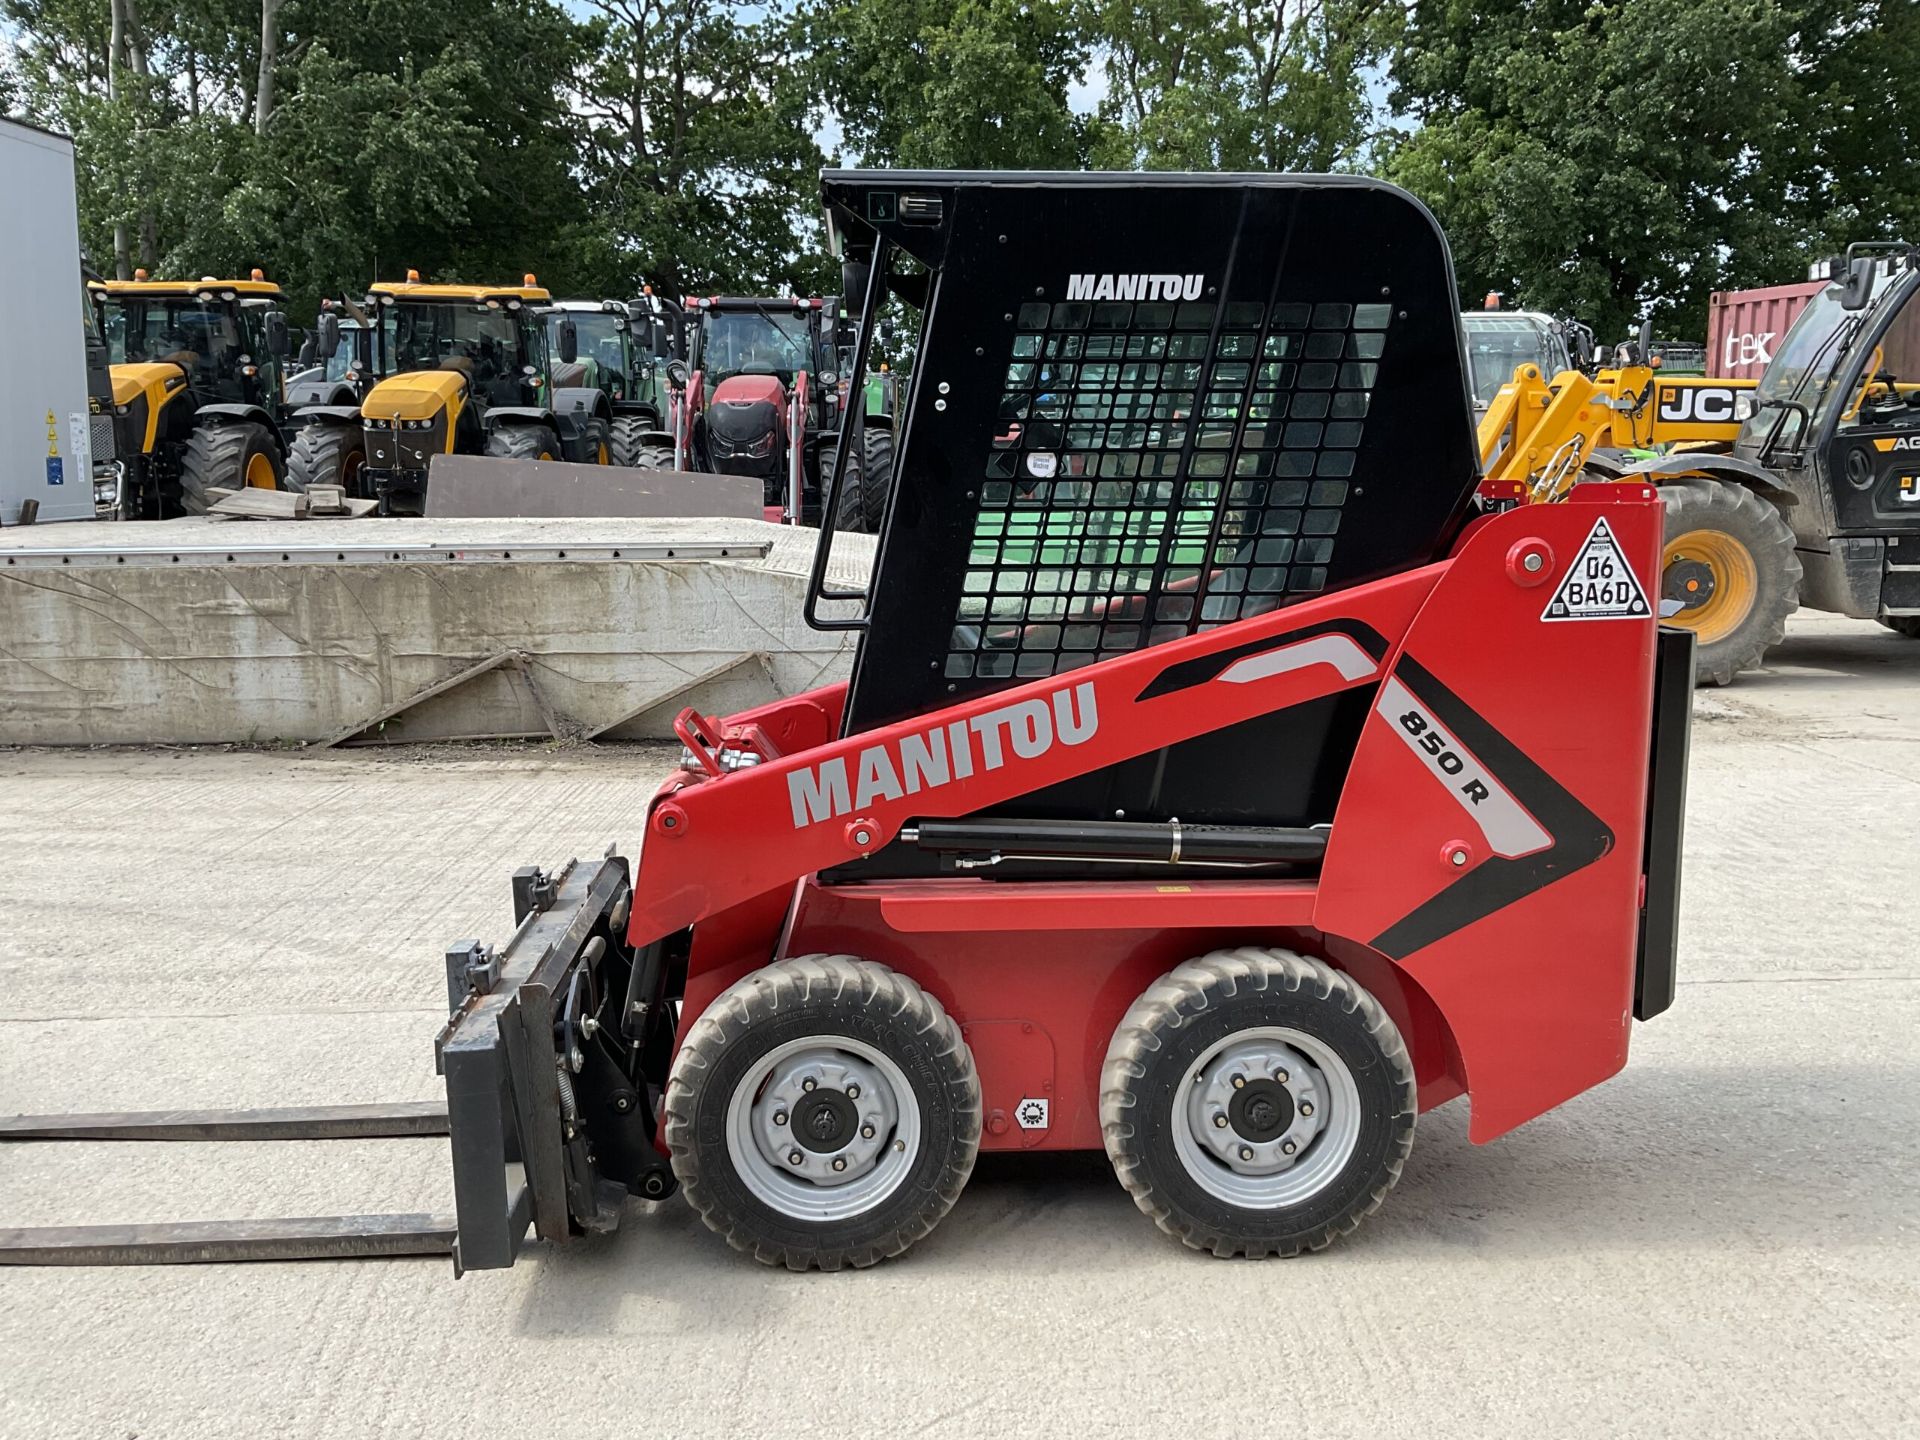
[(1725, 1239)]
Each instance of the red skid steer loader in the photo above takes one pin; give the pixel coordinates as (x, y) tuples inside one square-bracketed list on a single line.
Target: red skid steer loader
[(1223, 781), (1225, 778)]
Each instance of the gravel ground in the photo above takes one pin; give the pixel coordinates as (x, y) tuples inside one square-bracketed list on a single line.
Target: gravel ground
[(1722, 1240)]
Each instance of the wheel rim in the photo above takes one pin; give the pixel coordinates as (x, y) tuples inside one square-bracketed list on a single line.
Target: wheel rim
[(1714, 578), (260, 471), (814, 1103), (606, 455), (1256, 1140)]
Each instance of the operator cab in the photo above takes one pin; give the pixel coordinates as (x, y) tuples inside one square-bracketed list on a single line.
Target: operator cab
[(1200, 401), (1837, 417)]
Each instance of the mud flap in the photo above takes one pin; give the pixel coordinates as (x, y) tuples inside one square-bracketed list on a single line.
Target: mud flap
[(550, 1121)]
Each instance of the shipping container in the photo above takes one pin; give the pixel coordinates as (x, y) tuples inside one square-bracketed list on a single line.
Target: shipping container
[(46, 444), (1744, 327)]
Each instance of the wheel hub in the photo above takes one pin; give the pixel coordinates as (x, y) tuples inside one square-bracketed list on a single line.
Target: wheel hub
[(1256, 1106), (824, 1117), (1688, 581)]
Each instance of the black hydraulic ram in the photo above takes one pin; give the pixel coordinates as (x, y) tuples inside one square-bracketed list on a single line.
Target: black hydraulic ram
[(989, 841)]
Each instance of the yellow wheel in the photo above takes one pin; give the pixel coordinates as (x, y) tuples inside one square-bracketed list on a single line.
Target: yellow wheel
[(260, 471), (1713, 577), (1729, 565), (604, 456)]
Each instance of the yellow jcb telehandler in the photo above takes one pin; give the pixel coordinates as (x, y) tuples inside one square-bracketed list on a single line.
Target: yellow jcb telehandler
[(1800, 489)]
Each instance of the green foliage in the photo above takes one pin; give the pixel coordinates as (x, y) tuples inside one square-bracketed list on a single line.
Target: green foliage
[(1592, 157), (935, 84), (1244, 85)]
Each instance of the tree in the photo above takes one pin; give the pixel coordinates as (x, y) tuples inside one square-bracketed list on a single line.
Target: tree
[(697, 157), (978, 84), (1246, 85), (1596, 158)]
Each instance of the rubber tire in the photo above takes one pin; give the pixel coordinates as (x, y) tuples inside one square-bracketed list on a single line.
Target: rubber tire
[(823, 995), (521, 442), (1695, 503), (1907, 625), (626, 441), (1185, 1013), (654, 457), (322, 454), (854, 502), (876, 474), (217, 456)]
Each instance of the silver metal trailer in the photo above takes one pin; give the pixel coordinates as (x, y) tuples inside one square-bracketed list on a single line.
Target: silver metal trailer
[(46, 451)]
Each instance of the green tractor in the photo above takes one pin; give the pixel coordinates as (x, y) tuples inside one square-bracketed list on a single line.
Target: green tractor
[(610, 356)]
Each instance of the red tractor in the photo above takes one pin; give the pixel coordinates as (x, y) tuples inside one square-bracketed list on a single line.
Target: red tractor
[(1225, 779), (763, 398)]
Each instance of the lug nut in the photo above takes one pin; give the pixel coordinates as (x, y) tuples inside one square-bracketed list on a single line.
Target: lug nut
[(866, 1132), (1306, 1107), (806, 1084), (1246, 1152), (779, 1117), (853, 1092), (839, 1163), (901, 1146), (1239, 1082), (794, 1157), (1219, 1122), (1281, 1076), (1288, 1148)]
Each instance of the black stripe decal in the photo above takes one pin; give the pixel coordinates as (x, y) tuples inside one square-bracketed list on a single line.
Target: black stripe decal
[(1580, 837)]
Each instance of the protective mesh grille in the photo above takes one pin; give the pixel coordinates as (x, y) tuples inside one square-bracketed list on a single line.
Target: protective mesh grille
[(1160, 468)]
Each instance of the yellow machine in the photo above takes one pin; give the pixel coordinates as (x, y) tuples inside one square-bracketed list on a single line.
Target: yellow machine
[(196, 388), (1800, 489), (467, 372)]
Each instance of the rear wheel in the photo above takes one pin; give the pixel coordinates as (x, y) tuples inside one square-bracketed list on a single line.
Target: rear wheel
[(521, 442), (1256, 1102), (1729, 561), (654, 457), (227, 457), (853, 500), (625, 440), (327, 453), (876, 474), (1907, 625), (823, 1112)]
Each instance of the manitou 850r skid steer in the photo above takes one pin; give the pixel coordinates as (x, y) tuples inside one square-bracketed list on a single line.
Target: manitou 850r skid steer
[(1223, 780)]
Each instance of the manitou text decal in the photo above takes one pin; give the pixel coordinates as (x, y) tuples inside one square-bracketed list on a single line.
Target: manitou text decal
[(941, 754), (1135, 287)]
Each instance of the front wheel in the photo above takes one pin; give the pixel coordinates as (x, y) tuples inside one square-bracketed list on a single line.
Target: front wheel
[(326, 453), (229, 457), (521, 442), (1729, 562), (823, 1112), (1257, 1102)]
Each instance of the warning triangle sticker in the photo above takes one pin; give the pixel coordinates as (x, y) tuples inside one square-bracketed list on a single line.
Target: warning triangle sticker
[(1600, 584)]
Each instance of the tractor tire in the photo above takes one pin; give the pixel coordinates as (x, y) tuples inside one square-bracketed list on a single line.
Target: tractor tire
[(654, 457), (861, 497), (627, 444), (230, 457), (1289, 1161), (1728, 543), (325, 453), (876, 474), (522, 442), (826, 1066), (1907, 625)]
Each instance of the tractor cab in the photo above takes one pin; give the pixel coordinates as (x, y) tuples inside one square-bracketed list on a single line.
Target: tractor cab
[(1836, 420), (190, 358), (1501, 341)]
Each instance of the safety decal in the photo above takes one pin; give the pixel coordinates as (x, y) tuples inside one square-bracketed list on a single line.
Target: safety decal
[(1600, 584), (1032, 1113)]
